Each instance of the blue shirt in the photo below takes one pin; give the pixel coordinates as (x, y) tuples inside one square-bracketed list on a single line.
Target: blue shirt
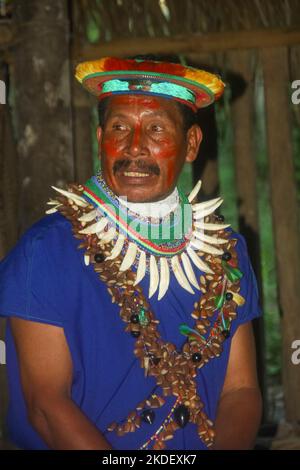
[(44, 279)]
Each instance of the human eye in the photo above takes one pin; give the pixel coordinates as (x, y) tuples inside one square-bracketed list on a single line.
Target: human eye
[(156, 127), (118, 126)]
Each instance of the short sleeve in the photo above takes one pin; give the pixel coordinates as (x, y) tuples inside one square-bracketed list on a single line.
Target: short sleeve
[(249, 289), (27, 278)]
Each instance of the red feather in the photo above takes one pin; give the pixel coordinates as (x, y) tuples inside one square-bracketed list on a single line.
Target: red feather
[(129, 64)]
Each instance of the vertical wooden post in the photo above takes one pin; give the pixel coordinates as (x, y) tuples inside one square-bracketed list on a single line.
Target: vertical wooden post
[(285, 214), (9, 183), (242, 109), (8, 227), (42, 103)]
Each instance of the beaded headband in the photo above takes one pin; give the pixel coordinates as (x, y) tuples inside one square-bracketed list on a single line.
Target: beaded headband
[(110, 76)]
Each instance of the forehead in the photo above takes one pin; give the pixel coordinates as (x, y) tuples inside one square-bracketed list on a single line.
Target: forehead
[(137, 104)]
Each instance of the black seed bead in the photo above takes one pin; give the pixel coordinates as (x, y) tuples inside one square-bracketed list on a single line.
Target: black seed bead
[(229, 296), (226, 256), (148, 416), (135, 333), (134, 318), (226, 333), (99, 257), (154, 359), (181, 415), (196, 357)]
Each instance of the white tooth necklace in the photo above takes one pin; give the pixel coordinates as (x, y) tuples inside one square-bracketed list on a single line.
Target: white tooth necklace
[(173, 243)]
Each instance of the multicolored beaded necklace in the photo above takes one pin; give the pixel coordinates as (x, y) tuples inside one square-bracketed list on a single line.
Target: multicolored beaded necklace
[(174, 371)]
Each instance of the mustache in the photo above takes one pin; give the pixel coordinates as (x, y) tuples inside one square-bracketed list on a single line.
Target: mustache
[(137, 164)]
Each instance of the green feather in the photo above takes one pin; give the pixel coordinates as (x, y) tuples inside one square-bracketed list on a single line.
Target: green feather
[(187, 331)]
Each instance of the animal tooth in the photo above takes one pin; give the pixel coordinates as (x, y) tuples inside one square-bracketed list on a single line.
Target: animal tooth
[(106, 237), (154, 276), (207, 226), (198, 261), (179, 274), (96, 227), (86, 260), (209, 239), (206, 248), (195, 191), (141, 269), (164, 277), (205, 204), (200, 214), (88, 216), (53, 202), (78, 199), (189, 270), (129, 257), (52, 210), (117, 248)]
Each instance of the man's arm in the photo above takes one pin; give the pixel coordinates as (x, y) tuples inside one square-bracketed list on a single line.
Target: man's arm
[(240, 405), (46, 377)]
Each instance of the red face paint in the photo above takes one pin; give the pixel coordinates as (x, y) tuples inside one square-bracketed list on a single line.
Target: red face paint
[(142, 134)]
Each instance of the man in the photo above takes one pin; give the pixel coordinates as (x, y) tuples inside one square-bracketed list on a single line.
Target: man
[(142, 338)]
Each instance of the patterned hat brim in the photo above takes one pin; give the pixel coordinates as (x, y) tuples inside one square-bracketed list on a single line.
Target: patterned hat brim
[(197, 88)]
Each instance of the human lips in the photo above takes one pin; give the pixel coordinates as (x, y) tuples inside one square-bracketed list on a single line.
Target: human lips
[(136, 177)]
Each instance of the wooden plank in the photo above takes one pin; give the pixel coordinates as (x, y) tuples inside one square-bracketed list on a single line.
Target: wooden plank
[(205, 167), (208, 42), (285, 214), (242, 113), (7, 33)]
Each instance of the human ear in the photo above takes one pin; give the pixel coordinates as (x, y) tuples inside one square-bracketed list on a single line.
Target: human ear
[(194, 138), (99, 134)]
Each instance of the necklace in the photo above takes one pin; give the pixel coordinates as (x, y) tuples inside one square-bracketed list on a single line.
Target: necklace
[(174, 371), (150, 247), (153, 210)]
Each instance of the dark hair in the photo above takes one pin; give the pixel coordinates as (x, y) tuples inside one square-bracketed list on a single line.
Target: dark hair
[(189, 117)]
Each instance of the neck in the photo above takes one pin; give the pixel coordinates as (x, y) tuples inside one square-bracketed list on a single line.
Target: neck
[(153, 209)]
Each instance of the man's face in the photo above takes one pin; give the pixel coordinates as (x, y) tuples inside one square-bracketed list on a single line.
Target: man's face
[(143, 146)]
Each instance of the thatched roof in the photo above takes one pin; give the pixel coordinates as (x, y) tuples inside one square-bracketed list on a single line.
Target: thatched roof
[(142, 18)]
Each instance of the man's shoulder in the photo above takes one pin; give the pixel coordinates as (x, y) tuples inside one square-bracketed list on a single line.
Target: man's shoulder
[(240, 245), (52, 233), (47, 227), (234, 234)]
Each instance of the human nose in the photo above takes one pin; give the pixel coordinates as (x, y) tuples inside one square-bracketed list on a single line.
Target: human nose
[(137, 141)]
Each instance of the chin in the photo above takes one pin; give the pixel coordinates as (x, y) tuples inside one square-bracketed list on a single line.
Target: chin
[(141, 197)]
